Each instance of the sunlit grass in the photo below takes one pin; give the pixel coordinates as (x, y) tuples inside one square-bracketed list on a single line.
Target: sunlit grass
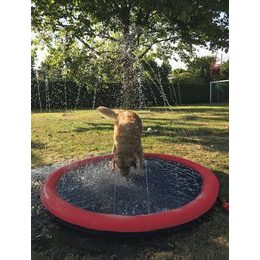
[(199, 133)]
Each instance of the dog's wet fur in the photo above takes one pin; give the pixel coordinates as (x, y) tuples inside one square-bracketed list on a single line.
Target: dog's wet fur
[(127, 146)]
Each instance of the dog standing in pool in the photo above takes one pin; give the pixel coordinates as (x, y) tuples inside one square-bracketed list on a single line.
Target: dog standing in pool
[(127, 146)]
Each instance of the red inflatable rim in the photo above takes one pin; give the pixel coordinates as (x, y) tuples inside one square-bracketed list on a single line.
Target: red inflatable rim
[(140, 223)]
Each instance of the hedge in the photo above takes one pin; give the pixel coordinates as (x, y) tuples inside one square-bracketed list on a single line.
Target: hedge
[(62, 95)]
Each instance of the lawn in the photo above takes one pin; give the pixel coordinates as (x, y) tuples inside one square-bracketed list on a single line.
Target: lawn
[(198, 133)]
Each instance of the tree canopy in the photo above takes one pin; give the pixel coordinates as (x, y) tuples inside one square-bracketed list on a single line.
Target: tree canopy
[(199, 69), (122, 33)]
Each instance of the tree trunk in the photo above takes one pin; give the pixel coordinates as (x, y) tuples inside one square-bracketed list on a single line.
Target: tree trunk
[(130, 93)]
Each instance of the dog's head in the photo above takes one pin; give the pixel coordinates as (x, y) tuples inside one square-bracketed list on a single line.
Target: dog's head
[(124, 163)]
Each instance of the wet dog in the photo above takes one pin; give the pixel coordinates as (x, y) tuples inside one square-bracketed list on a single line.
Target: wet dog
[(127, 146)]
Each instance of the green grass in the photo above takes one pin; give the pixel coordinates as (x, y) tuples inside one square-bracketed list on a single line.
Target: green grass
[(198, 133)]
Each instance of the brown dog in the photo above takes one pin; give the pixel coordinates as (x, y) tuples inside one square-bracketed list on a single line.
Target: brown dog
[(127, 146)]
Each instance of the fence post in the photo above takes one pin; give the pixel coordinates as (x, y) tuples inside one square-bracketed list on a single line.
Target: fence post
[(210, 92)]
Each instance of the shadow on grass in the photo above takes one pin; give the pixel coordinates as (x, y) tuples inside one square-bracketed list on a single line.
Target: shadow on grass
[(189, 120), (212, 138), (80, 243), (193, 109), (224, 118), (216, 117), (188, 126), (37, 145), (95, 126), (35, 159), (224, 183), (190, 117)]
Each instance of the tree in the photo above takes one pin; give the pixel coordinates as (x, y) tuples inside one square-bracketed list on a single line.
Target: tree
[(133, 28), (200, 67), (74, 63), (68, 63), (224, 70), (181, 75)]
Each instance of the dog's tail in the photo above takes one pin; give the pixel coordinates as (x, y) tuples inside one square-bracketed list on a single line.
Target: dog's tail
[(107, 112)]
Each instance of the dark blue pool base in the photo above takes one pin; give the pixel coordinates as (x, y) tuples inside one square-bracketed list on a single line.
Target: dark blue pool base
[(161, 186)]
